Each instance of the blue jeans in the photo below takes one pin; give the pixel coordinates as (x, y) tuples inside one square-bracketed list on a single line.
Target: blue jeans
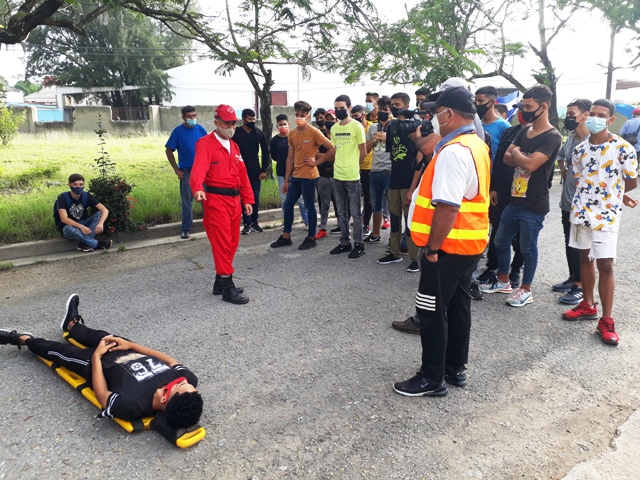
[(307, 188), (253, 218), (378, 186), (186, 195), (514, 219), (283, 198), (74, 233)]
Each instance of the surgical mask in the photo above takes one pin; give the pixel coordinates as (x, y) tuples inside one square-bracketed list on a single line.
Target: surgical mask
[(482, 109), (342, 114), (250, 125), (77, 190), (596, 124), (395, 111), (369, 107), (301, 122), (329, 124), (436, 123), (283, 129), (192, 122), (383, 116), (530, 117), (570, 123), (226, 133)]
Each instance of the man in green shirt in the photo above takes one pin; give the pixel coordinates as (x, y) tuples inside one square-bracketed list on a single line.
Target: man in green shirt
[(348, 138)]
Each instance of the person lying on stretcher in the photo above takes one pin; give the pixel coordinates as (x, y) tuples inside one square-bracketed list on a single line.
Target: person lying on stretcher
[(130, 381)]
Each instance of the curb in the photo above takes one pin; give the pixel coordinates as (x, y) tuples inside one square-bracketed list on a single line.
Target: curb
[(32, 252)]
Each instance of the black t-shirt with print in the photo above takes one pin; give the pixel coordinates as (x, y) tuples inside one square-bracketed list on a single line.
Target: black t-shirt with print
[(133, 378), (403, 157), (531, 189), (76, 210)]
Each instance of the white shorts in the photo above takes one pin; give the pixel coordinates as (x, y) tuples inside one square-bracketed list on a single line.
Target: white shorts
[(599, 244)]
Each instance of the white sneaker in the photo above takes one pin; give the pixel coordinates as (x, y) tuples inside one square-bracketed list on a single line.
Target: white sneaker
[(496, 286), (520, 298)]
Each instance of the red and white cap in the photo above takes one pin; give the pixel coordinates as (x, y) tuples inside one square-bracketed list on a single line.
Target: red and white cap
[(225, 113)]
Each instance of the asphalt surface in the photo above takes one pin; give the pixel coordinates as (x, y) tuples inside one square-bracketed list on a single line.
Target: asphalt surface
[(297, 383)]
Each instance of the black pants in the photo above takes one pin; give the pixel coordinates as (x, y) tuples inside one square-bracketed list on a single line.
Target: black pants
[(256, 184), (492, 256), (76, 359), (573, 255), (443, 306), (366, 193)]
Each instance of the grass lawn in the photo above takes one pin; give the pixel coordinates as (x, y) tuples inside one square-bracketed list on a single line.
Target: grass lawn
[(26, 201)]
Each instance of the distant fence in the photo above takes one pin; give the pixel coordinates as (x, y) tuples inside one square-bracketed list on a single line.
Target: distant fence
[(129, 113)]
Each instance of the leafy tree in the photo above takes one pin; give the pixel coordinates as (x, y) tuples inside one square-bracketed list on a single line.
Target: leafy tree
[(9, 124), (19, 18), (122, 48), (261, 33), (27, 87)]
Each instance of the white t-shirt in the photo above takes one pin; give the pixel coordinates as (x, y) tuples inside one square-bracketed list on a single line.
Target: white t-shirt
[(226, 143)]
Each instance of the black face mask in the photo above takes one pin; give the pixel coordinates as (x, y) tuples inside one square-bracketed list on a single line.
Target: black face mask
[(395, 111), (570, 123), (359, 120), (320, 123), (329, 124), (482, 109), (342, 114), (383, 116), (530, 117), (250, 125)]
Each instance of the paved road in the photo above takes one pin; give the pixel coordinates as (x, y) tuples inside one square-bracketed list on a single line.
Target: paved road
[(297, 383)]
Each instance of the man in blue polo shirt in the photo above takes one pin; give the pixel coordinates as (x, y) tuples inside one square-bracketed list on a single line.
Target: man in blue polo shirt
[(183, 139)]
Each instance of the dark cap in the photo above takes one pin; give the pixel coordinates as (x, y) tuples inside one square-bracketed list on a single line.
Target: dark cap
[(457, 98)]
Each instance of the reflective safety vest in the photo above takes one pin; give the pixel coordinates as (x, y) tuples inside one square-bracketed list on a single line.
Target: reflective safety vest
[(470, 232)]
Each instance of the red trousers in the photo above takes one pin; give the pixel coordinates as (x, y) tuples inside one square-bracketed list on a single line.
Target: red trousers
[(222, 223)]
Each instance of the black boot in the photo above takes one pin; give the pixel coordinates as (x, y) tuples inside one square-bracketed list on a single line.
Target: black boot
[(218, 286), (230, 293)]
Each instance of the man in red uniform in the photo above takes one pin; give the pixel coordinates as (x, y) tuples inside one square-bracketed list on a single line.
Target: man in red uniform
[(218, 170)]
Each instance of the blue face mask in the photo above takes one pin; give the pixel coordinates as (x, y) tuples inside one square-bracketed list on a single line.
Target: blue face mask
[(192, 122), (369, 107), (77, 190), (596, 124)]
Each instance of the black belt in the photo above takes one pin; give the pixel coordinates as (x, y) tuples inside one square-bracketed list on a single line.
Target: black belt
[(229, 192)]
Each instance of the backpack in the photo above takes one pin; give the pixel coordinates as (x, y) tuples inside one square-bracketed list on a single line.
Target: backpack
[(84, 199), (632, 138)]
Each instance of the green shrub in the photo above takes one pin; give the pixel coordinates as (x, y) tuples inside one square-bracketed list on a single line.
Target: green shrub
[(9, 124)]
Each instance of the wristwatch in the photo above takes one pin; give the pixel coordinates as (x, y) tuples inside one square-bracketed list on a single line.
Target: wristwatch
[(429, 251)]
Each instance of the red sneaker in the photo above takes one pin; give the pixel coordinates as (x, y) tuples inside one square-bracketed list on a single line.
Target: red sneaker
[(321, 234), (607, 330), (385, 224), (582, 311)]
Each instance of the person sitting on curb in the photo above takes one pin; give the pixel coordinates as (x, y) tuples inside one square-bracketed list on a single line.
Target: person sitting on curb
[(130, 381), (73, 220)]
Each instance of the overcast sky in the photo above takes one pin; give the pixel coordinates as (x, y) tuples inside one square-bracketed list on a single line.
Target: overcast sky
[(577, 54)]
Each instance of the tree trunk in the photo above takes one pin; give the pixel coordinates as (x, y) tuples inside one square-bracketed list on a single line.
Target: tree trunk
[(610, 66), (264, 94)]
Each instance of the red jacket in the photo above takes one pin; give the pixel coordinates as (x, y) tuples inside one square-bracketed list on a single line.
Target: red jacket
[(213, 165)]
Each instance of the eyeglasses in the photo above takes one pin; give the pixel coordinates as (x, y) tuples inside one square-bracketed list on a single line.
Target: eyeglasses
[(170, 385)]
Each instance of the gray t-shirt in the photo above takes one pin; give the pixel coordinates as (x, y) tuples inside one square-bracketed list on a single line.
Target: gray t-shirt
[(569, 185), (381, 159)]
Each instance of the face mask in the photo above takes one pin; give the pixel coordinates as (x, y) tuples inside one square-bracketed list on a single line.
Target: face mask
[(596, 124), (301, 122), (436, 123), (320, 123), (482, 109), (359, 120), (192, 122), (329, 124), (383, 116), (77, 190), (283, 129), (570, 123), (530, 117), (342, 114), (395, 110), (369, 107), (226, 133), (250, 125)]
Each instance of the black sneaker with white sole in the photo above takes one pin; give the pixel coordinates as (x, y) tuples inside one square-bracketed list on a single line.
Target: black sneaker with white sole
[(389, 259), (71, 312), (372, 239), (457, 379), (83, 247), (340, 249), (413, 268), (12, 337), (358, 251), (256, 228), (335, 231), (246, 230), (419, 386)]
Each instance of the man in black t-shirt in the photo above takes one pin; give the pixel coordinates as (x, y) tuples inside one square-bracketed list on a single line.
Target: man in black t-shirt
[(130, 381), (533, 156), (72, 216)]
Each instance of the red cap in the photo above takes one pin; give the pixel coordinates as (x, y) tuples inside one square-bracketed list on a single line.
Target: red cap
[(225, 113), (331, 112), (636, 111)]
